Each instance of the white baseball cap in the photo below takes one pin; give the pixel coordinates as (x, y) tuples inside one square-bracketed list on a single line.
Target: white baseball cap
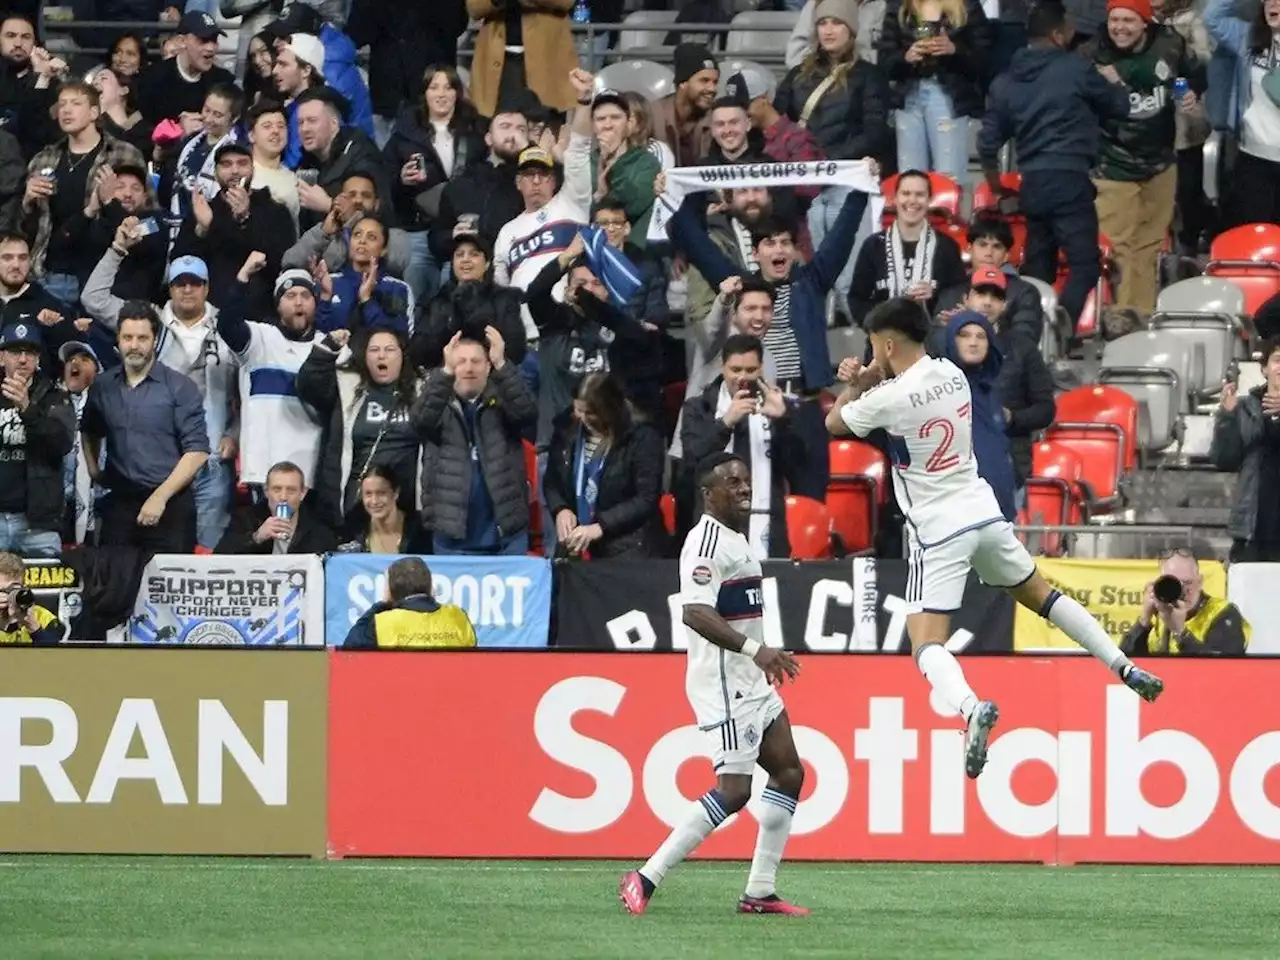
[(308, 49)]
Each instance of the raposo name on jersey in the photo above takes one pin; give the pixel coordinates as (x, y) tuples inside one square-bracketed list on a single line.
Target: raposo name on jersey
[(921, 398)]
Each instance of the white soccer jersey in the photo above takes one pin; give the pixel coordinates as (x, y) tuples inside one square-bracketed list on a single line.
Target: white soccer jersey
[(927, 412), (274, 424), (718, 568)]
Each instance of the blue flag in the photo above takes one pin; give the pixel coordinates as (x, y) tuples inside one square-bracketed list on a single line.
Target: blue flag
[(618, 274)]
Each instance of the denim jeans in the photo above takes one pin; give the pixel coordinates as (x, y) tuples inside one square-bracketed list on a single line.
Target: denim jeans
[(516, 545), (423, 273), (822, 217), (17, 537), (212, 489), (930, 135), (65, 287)]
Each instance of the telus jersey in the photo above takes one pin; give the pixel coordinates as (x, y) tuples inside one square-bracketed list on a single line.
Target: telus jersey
[(927, 412), (719, 569)]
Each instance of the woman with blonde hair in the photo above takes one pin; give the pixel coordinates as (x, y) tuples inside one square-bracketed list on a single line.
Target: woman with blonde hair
[(936, 54)]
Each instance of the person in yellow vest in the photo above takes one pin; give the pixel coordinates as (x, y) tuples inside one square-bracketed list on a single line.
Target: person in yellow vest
[(409, 617), (21, 619), (1180, 620)]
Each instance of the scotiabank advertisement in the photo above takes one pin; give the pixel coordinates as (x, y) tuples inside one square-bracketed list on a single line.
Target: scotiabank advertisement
[(597, 755)]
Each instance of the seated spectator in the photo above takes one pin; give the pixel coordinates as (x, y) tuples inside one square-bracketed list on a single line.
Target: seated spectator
[(361, 294), (298, 66), (1194, 625), (258, 60), (329, 240), (971, 345), (151, 420), (910, 259), (383, 526), (128, 57), (474, 413), (469, 303), (196, 167), (22, 299), (275, 424), (82, 361), (334, 152), (23, 623), (640, 128), (364, 395), (743, 414), (1022, 314), (120, 117), (604, 476), (408, 616), (174, 88), (433, 142), (123, 194), (682, 119), (260, 527), (36, 426), (238, 221), (268, 134), (518, 49), (620, 168), (1246, 440)]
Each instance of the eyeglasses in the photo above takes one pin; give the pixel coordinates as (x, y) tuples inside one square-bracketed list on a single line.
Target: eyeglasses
[(1176, 552), (537, 175), (611, 224)]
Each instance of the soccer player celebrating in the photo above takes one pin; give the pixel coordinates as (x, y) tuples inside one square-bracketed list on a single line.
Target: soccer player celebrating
[(729, 684), (953, 519)]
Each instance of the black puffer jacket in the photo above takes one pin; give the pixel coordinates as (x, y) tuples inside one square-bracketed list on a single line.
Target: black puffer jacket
[(352, 152), (1026, 390), (404, 39), (506, 409), (851, 121), (485, 190), (50, 424), (412, 134), (468, 308), (963, 74)]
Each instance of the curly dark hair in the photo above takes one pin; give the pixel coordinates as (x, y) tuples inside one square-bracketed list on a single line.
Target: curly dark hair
[(406, 385)]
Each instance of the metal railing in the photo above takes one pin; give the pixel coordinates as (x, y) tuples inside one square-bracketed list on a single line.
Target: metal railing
[(1136, 541)]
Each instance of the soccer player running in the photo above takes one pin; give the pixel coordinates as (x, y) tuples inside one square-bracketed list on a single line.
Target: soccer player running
[(953, 519), (729, 683)]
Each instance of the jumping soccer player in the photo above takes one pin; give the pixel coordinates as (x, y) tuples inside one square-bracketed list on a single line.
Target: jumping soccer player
[(953, 519), (729, 683)]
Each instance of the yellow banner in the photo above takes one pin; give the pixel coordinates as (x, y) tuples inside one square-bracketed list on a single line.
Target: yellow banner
[(1111, 590)]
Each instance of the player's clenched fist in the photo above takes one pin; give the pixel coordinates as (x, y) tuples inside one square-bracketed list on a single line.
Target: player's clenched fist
[(849, 369), (778, 665)]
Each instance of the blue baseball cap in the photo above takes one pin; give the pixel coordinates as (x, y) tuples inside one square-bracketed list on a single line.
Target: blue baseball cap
[(76, 348), (187, 267), (26, 333)]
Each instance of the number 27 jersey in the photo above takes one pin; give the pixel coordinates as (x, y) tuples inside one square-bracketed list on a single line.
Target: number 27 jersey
[(927, 411)]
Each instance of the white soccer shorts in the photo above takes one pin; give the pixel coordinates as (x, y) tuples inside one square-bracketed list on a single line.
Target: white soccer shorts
[(735, 744), (936, 574)]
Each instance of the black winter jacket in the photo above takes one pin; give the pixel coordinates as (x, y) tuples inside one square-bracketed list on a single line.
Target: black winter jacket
[(506, 409), (485, 190), (851, 121), (411, 136), (630, 487), (963, 74), (1026, 389), (50, 423), (352, 152), (404, 38), (1023, 313), (468, 308)]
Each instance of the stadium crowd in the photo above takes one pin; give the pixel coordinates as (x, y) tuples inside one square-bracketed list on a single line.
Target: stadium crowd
[(283, 308)]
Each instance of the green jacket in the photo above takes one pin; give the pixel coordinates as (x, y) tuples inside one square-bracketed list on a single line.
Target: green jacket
[(1142, 145), (631, 181)]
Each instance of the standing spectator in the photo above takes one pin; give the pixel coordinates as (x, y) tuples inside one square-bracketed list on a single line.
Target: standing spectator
[(174, 89), (22, 301), (1137, 169), (119, 116), (433, 142), (383, 526), (258, 527), (152, 422), (61, 180), (869, 26), (80, 365), (29, 78), (936, 52), (258, 79), (682, 120), (338, 56), (745, 306), (474, 412), (253, 42), (1246, 439), (361, 294), (744, 210), (604, 476), (274, 424), (522, 46), (1049, 104), (733, 139), (408, 616), (333, 152), (329, 240), (785, 141), (1251, 110), (845, 102), (620, 169), (197, 160), (268, 129), (640, 128), (235, 223), (299, 66), (742, 413), (36, 427), (128, 57)]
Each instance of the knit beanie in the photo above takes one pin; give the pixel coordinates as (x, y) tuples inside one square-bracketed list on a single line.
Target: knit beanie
[(1141, 7), (845, 11)]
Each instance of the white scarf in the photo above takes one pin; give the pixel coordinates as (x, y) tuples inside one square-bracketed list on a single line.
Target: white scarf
[(759, 432), (902, 272), (855, 174)]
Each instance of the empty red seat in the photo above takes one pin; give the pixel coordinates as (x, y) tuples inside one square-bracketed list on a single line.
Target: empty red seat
[(945, 201), (667, 504), (1054, 494), (1102, 405), (1248, 256), (857, 490), (808, 529)]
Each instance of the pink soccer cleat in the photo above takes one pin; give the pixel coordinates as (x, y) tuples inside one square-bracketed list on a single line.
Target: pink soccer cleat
[(631, 893), (771, 904)]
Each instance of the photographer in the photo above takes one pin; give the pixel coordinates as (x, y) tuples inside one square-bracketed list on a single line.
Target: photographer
[(1180, 619), (21, 620)]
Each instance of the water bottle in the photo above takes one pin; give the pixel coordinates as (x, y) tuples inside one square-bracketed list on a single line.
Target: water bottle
[(581, 12), (1181, 88)]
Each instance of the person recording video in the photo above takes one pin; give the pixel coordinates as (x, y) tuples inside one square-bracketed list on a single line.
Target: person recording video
[(1180, 619), (22, 620)]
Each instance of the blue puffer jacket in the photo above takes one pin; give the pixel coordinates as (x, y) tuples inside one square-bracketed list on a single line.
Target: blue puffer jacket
[(990, 442), (342, 74)]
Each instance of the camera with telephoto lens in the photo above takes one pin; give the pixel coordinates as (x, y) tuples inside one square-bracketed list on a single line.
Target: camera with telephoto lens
[(1167, 589)]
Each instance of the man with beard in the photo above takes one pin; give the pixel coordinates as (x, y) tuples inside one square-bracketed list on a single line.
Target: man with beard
[(22, 301), (239, 220), (729, 228), (333, 152), (175, 89), (468, 304), (152, 422), (274, 424), (682, 119), (122, 194), (299, 66), (28, 83), (330, 239)]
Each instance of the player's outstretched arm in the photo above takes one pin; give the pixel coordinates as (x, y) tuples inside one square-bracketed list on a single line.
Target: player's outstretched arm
[(778, 665)]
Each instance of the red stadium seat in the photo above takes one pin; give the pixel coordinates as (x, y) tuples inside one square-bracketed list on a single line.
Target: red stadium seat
[(1099, 424), (857, 490), (1248, 256), (945, 202), (1101, 297), (1101, 404), (667, 504), (535, 501), (1055, 495), (808, 529)]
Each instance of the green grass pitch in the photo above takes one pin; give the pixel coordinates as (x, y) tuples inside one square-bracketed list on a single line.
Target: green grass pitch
[(89, 907)]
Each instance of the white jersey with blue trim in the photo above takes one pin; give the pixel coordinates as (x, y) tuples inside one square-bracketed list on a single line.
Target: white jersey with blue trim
[(274, 424), (927, 411), (718, 568)]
